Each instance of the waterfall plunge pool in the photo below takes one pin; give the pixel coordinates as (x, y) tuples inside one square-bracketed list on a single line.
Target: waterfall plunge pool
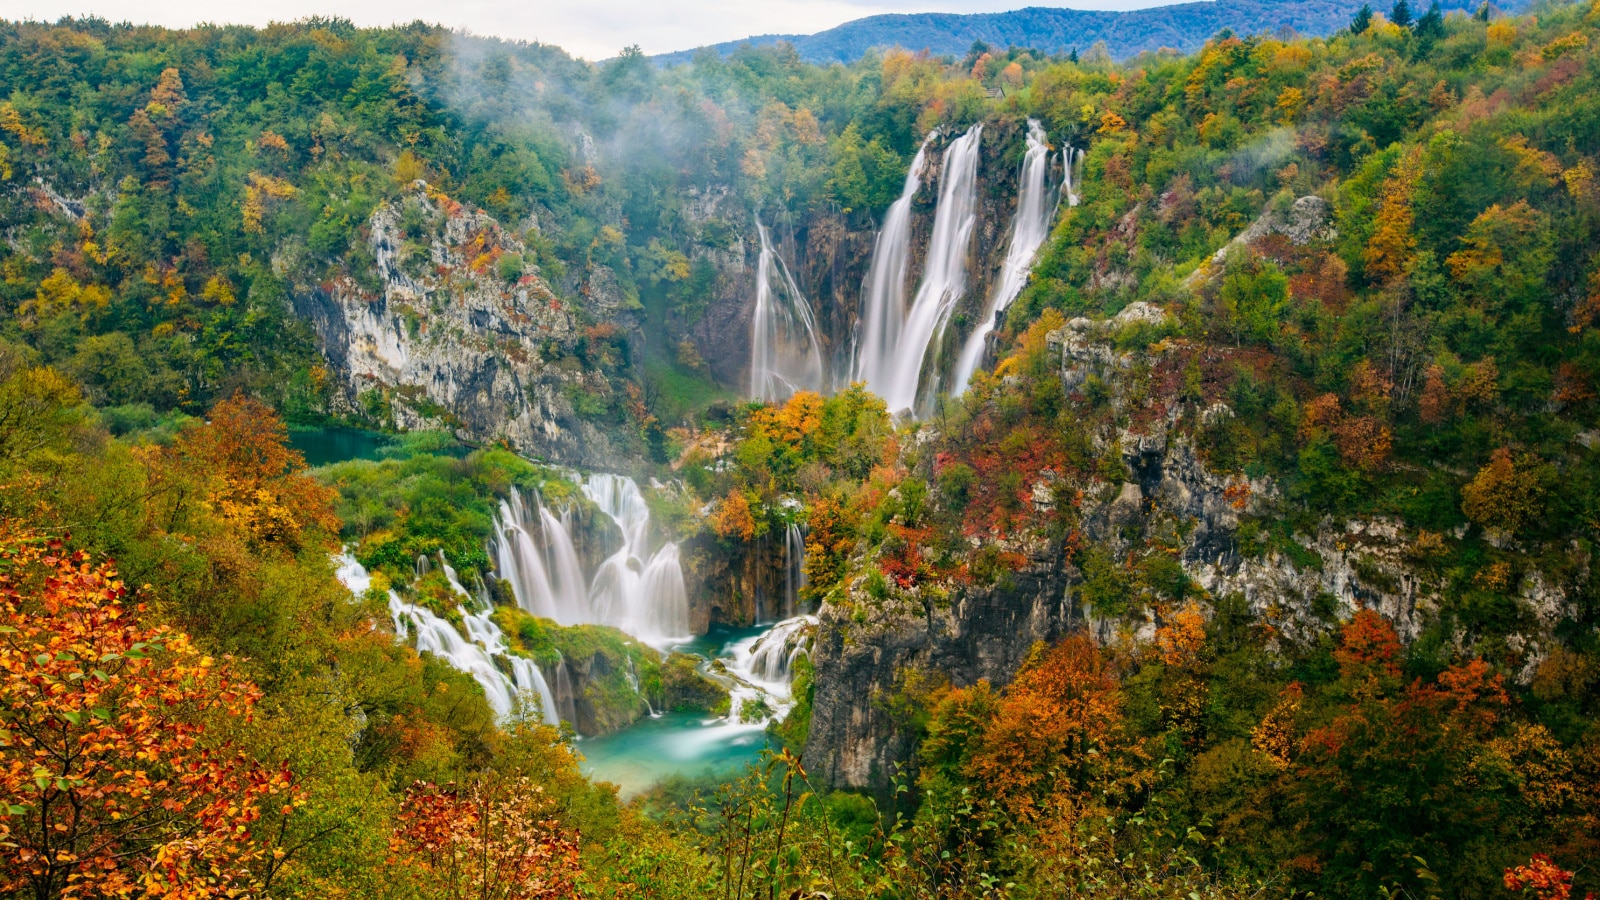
[(694, 744)]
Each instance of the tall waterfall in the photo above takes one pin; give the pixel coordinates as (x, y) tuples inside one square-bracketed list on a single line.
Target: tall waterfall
[(1036, 206), (944, 276), (883, 294), (1071, 181), (785, 354), (474, 654), (639, 592)]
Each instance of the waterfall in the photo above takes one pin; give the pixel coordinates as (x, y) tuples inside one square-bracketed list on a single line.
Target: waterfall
[(565, 696), (474, 655), (794, 567), (1036, 206), (561, 561), (546, 578), (785, 355), (883, 293), (640, 593), (766, 661), (1070, 183), (633, 682), (944, 276)]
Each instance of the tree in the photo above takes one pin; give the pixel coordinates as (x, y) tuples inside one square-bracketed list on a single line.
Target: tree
[(1392, 247), (255, 481), (493, 839), (1058, 729), (1541, 879), (1400, 13), (1362, 20), (1505, 494), (108, 786), (1375, 784), (1431, 26)]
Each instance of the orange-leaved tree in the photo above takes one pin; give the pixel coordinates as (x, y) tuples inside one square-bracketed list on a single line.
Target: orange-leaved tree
[(107, 785), (1059, 728), (493, 839), (254, 480), (1541, 879), (1363, 787)]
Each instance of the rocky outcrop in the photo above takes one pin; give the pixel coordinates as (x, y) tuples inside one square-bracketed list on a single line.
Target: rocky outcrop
[(455, 329), (1307, 219), (735, 585), (868, 652)]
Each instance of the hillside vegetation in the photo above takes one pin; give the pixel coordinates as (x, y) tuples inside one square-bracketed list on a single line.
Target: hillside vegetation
[(1318, 506), (1183, 26)]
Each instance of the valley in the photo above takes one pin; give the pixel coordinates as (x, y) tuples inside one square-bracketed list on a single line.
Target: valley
[(433, 465)]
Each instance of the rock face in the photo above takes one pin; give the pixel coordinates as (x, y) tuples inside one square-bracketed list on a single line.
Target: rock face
[(446, 335), (855, 741), (1302, 585), (736, 586), (1306, 220)]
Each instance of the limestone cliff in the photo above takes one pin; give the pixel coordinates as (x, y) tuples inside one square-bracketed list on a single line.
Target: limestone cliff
[(451, 327)]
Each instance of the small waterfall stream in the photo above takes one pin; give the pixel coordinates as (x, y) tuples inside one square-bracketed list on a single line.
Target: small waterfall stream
[(794, 567), (785, 354), (1036, 207), (474, 655), (944, 276)]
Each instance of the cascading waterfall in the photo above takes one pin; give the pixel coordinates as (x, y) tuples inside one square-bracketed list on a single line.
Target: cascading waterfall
[(474, 655), (766, 661), (794, 567), (1036, 207), (785, 354), (545, 576), (944, 276), (638, 592), (883, 293)]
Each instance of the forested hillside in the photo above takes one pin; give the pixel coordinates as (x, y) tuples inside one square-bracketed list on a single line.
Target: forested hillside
[(1122, 34), (1257, 559)]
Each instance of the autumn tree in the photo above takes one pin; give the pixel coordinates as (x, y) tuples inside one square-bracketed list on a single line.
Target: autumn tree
[(253, 479), (1506, 493), (1371, 781), (1540, 879), (108, 784), (495, 838), (1058, 728), (1393, 243)]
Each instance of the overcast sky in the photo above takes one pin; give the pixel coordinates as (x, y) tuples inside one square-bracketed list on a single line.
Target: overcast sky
[(594, 29)]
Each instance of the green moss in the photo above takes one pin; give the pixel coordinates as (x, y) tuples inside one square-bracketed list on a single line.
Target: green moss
[(792, 731), (601, 657), (685, 689)]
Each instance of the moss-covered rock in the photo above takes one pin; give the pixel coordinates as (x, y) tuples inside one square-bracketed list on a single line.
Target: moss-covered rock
[(602, 680), (686, 689)]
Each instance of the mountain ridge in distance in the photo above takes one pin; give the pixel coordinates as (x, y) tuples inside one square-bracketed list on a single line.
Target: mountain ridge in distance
[(1184, 27)]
